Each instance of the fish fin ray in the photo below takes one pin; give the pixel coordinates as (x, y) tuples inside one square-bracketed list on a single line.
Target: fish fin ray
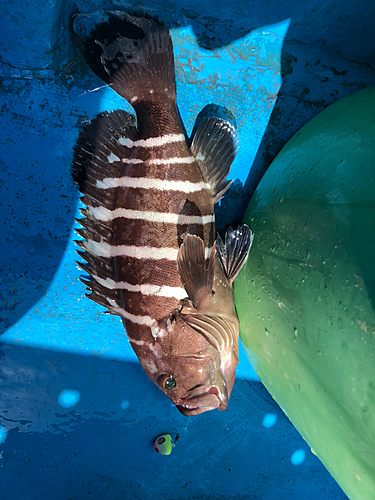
[(234, 250), (101, 295), (133, 54), (217, 330), (196, 277), (94, 229), (96, 142), (214, 146)]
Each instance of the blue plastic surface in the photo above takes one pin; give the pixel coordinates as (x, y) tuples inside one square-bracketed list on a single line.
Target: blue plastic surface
[(78, 416)]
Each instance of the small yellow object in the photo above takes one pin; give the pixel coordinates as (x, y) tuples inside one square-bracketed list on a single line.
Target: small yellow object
[(163, 444)]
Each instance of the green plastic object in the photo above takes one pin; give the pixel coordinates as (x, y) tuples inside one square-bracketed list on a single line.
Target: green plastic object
[(306, 294)]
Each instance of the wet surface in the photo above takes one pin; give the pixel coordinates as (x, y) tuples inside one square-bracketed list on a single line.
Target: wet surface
[(78, 415)]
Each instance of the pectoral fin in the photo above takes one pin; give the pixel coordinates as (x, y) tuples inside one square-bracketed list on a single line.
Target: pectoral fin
[(195, 276), (234, 251), (215, 146)]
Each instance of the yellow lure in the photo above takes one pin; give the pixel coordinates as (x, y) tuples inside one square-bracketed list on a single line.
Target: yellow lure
[(163, 444)]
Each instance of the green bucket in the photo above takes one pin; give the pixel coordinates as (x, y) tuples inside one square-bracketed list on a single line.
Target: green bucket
[(306, 295)]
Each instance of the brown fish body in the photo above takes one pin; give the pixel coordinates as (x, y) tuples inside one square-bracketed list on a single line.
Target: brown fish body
[(149, 237)]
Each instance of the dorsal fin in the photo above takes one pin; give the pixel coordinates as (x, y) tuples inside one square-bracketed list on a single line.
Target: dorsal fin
[(234, 251), (195, 276), (97, 155), (215, 146), (98, 147)]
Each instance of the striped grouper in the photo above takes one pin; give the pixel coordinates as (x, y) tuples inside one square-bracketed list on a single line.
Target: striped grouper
[(149, 226)]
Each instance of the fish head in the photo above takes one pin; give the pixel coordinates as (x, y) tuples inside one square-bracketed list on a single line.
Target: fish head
[(186, 366)]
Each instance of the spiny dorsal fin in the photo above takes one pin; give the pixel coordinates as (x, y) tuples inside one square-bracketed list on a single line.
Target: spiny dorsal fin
[(97, 147), (97, 155), (234, 251), (195, 276), (215, 146)]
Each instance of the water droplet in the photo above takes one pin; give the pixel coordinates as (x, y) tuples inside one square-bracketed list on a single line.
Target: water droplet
[(3, 433), (269, 420), (298, 457), (69, 398)]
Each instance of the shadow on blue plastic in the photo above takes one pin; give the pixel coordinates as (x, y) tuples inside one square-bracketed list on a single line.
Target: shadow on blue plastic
[(243, 459), (298, 457), (269, 420), (69, 398)]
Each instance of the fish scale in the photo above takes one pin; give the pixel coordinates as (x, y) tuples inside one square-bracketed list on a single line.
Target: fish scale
[(149, 227)]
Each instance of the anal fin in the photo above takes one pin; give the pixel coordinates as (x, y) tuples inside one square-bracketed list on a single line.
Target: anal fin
[(234, 250)]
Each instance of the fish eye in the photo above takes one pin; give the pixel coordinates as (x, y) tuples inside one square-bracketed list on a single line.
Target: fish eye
[(167, 382)]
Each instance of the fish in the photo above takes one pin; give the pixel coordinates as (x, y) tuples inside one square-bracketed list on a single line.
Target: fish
[(149, 242)]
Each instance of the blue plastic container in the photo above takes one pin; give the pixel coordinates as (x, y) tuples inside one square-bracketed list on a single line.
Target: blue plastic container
[(78, 416)]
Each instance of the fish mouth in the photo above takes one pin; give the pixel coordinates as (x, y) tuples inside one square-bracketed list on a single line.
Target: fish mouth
[(202, 400)]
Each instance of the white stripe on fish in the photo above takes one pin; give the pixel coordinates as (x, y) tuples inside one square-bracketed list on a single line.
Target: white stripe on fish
[(158, 184), (105, 215), (152, 141), (171, 161), (131, 160), (156, 331), (146, 289), (155, 161), (103, 249)]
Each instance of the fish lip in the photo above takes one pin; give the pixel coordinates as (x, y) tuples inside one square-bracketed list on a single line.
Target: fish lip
[(201, 400), (203, 389), (189, 411)]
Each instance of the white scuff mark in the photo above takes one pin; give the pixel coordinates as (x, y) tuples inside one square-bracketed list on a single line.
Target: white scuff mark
[(200, 157), (150, 366), (99, 88), (137, 342), (169, 324), (112, 158), (155, 349), (156, 331)]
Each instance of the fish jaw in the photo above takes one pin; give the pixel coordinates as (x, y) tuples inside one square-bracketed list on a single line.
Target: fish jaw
[(207, 399)]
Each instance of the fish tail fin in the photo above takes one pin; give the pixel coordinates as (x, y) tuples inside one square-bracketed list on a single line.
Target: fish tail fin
[(132, 54)]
